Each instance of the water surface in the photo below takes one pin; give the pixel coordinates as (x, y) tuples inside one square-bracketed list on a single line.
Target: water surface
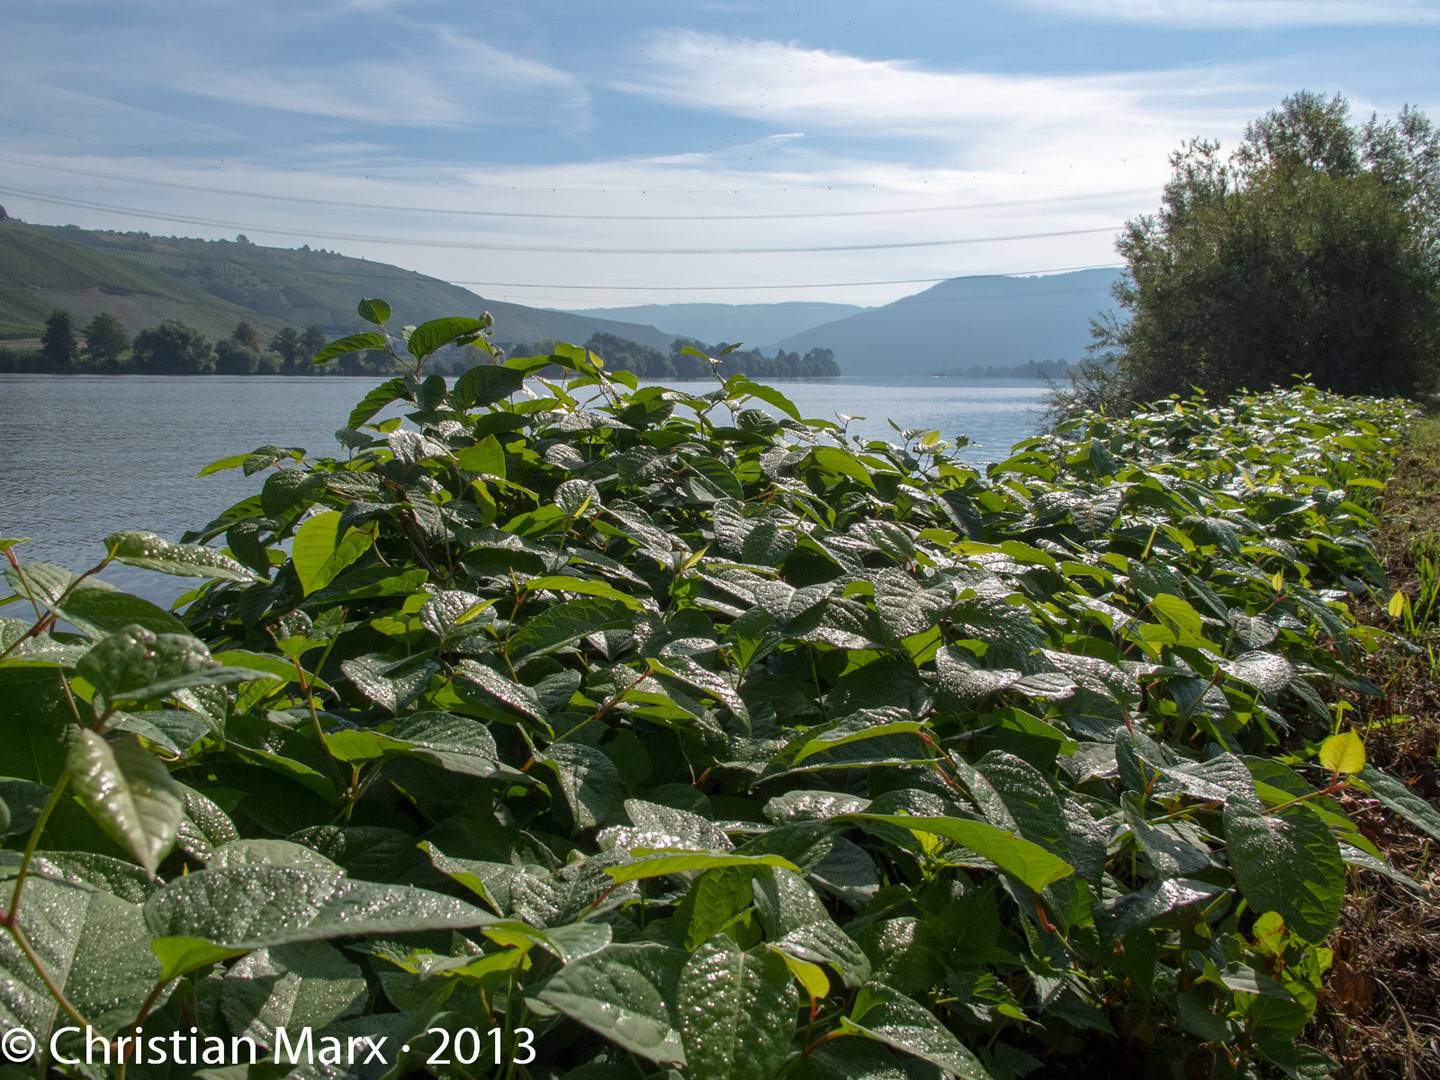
[(82, 457)]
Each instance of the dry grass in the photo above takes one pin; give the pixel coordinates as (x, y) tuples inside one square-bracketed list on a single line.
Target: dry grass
[(1380, 1012)]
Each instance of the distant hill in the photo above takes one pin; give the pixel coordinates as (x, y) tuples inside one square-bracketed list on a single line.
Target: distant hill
[(968, 322), (214, 284), (40, 271), (753, 324)]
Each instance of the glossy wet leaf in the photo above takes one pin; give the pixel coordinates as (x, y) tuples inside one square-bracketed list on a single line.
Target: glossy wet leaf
[(889, 1017), (93, 944), (1394, 794), (628, 994), (797, 924), (129, 792), (305, 985), (257, 907), (736, 1011), (150, 552), (1287, 862), (137, 665)]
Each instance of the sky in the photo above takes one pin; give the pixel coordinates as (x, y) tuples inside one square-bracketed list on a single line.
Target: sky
[(597, 153)]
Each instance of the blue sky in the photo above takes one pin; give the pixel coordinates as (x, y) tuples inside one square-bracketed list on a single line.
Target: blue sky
[(572, 154)]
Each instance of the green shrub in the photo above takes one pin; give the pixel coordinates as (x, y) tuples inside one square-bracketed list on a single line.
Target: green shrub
[(663, 730)]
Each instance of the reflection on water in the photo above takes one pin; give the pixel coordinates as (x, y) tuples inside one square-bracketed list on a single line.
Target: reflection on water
[(82, 457)]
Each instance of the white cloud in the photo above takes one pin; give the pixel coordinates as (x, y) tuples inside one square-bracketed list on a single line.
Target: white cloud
[(1246, 13), (444, 79), (981, 119)]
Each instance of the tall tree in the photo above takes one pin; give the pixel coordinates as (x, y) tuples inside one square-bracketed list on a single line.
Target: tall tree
[(1311, 250), (312, 340), (172, 348), (286, 345), (245, 336), (106, 340), (57, 343)]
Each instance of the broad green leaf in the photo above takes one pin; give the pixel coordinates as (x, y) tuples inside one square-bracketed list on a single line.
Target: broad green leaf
[(1180, 617), (1287, 862), (1029, 863), (588, 782), (181, 955), (429, 337), (320, 552), (797, 924), (577, 498), (388, 391), (306, 985), (565, 623), (136, 665), (889, 1017), (712, 901), (480, 683), (584, 587), (838, 462), (93, 944), (741, 386), (373, 311), (862, 726), (485, 384), (129, 792), (234, 461), (1134, 911), (626, 993), (258, 907), (486, 457), (1394, 794), (1343, 753), (148, 551), (568, 943), (353, 343), (736, 1012)]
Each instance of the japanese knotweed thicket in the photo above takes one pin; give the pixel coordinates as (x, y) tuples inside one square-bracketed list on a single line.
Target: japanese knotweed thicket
[(649, 732)]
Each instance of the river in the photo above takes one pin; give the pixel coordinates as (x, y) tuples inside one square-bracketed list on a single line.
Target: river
[(82, 457)]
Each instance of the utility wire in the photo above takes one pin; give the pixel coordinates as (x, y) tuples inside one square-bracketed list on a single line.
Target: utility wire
[(528, 215), (543, 249)]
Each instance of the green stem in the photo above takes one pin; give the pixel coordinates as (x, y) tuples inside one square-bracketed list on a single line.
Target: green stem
[(56, 792)]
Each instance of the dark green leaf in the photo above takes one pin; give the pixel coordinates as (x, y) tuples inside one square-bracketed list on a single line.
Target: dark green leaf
[(736, 1012), (148, 551), (129, 792), (1287, 862)]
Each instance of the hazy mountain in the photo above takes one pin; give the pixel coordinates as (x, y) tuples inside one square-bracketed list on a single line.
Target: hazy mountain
[(968, 322), (752, 324), (214, 284)]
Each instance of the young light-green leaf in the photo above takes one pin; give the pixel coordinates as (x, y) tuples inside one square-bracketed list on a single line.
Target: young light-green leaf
[(320, 552), (1029, 863), (1343, 753)]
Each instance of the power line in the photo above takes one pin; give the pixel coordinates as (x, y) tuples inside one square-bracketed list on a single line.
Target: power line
[(813, 285), (543, 216), (544, 249)]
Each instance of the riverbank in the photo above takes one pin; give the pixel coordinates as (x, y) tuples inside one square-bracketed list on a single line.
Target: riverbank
[(1380, 1012)]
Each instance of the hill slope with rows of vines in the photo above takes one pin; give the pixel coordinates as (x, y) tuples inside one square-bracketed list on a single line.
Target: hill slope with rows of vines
[(587, 729)]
